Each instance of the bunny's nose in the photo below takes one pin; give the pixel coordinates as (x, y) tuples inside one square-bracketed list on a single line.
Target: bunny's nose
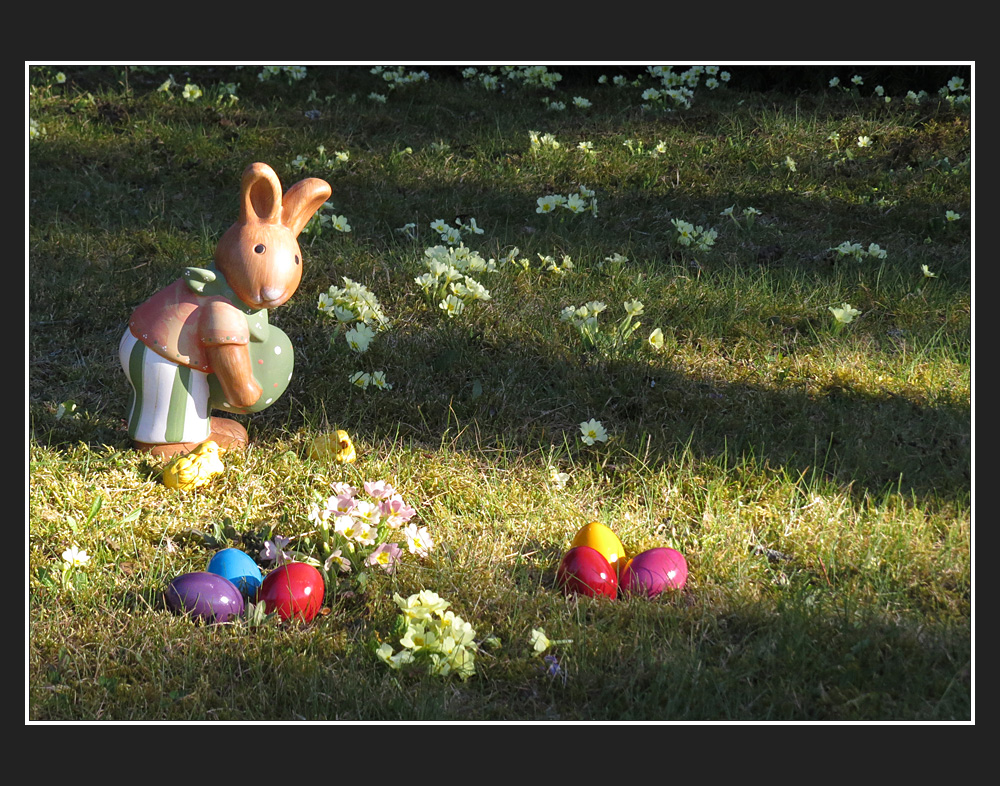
[(271, 294)]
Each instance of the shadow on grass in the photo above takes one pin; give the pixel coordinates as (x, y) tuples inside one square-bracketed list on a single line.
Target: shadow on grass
[(514, 397), (510, 395)]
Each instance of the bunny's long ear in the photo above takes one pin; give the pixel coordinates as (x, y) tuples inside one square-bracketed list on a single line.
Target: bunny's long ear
[(302, 200), (260, 195)]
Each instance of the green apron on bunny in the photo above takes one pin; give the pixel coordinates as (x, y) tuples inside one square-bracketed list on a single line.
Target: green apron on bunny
[(204, 341)]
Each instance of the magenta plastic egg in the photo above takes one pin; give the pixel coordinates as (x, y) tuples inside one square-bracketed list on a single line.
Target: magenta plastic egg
[(207, 596), (585, 571), (651, 572), (294, 590), (239, 568)]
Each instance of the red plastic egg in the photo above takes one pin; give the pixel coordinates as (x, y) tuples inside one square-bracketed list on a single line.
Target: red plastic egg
[(206, 596), (585, 571), (293, 590), (654, 571)]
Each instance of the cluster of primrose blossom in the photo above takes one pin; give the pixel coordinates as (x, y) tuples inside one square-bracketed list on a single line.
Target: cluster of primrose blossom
[(364, 380), (690, 77), (291, 73), (541, 141), (576, 202), (452, 235), (858, 252), (353, 303), (694, 236), (398, 76), (325, 217), (357, 532), (954, 92), (356, 309), (585, 320), (551, 265), (560, 106), (637, 148), (303, 162), (448, 283), (493, 77), (546, 262), (433, 638)]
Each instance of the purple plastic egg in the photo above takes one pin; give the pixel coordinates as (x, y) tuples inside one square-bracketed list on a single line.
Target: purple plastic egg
[(586, 571), (239, 568), (204, 595), (651, 572)]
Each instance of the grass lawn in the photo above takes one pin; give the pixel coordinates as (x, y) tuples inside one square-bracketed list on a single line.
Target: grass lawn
[(722, 311)]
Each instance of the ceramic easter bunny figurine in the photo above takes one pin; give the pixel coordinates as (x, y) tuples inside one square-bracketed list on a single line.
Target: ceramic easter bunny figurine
[(204, 342)]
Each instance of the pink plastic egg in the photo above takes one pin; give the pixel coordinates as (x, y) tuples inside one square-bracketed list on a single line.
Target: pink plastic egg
[(293, 590), (585, 571), (206, 596), (654, 571)]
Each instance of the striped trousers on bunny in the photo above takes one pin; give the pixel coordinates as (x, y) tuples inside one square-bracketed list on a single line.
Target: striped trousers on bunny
[(169, 402)]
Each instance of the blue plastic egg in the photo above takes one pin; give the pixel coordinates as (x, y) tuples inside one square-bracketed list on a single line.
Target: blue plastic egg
[(239, 568), (207, 596)]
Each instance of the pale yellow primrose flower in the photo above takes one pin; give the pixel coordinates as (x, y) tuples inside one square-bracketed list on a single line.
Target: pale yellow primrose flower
[(845, 314), (397, 660), (593, 431), (75, 557), (452, 306), (633, 308), (927, 272), (418, 541), (378, 380), (559, 479), (358, 338), (540, 642), (419, 636), (422, 605), (546, 204), (874, 250), (656, 339)]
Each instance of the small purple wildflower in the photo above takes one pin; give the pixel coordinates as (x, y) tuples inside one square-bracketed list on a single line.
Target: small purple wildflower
[(553, 669)]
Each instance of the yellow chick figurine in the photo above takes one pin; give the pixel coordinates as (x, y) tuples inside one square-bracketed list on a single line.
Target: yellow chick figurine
[(195, 468), (336, 447)]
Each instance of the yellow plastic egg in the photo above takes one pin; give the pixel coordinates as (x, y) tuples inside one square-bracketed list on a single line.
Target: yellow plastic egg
[(600, 538), (333, 447)]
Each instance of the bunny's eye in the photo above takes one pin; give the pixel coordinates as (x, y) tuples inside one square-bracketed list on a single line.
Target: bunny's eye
[(296, 259), (259, 248)]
